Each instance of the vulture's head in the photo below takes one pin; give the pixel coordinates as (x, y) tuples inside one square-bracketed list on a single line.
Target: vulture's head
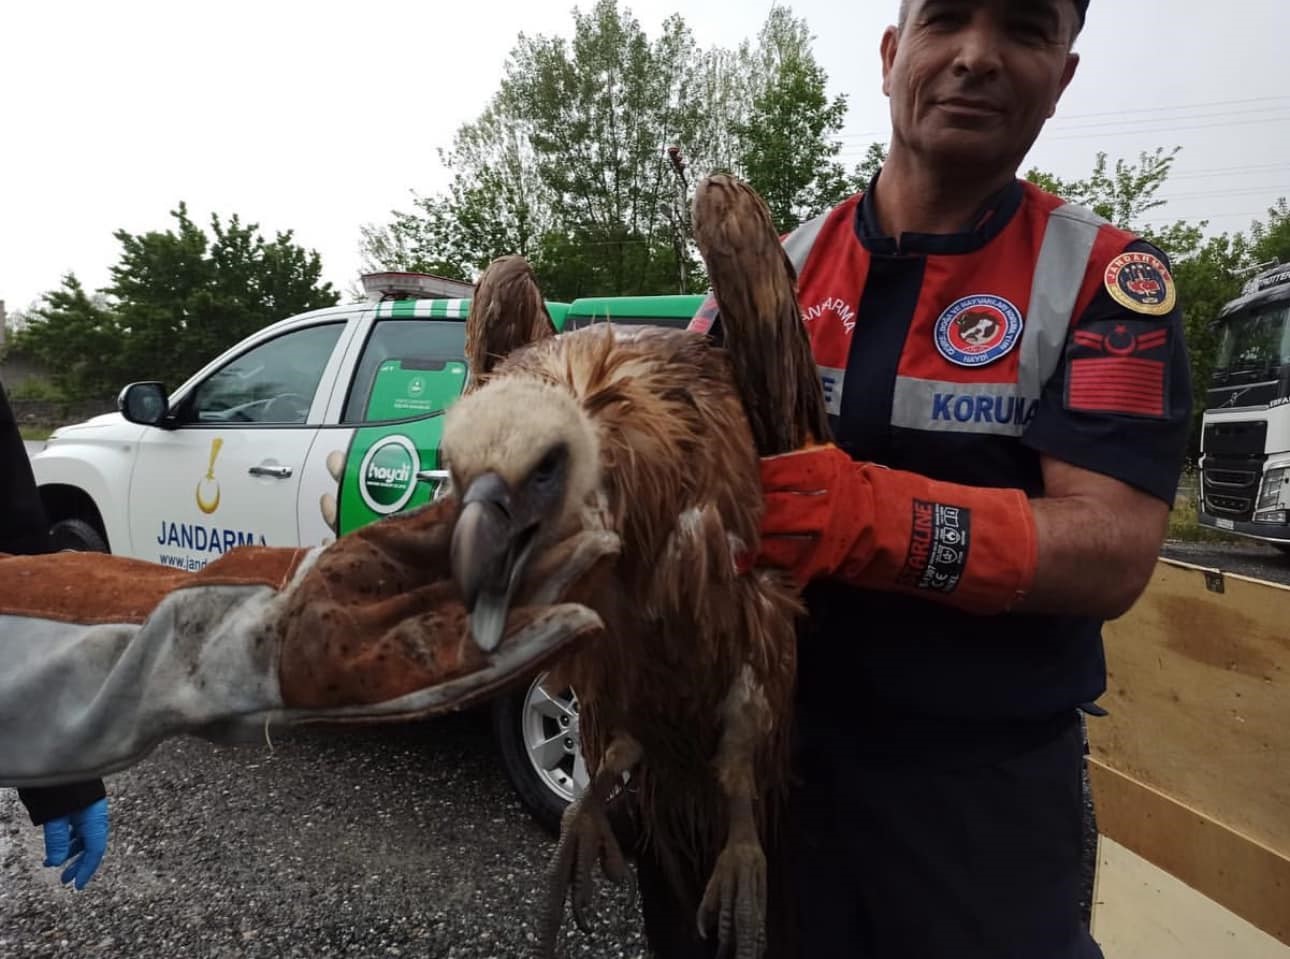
[(523, 458)]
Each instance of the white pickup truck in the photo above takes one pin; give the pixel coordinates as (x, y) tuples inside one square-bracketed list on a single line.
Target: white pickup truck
[(249, 448)]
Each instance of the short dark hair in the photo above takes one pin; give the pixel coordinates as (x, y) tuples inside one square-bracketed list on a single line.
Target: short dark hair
[(1080, 6)]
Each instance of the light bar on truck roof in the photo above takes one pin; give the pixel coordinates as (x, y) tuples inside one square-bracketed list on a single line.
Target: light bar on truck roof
[(1277, 276), (394, 285)]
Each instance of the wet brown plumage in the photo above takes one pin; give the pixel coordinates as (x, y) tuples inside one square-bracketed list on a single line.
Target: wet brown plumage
[(506, 311), (655, 433)]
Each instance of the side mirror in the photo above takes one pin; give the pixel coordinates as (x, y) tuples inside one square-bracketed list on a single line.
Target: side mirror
[(144, 403)]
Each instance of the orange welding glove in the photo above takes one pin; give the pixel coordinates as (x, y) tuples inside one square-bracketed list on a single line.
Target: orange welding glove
[(829, 516)]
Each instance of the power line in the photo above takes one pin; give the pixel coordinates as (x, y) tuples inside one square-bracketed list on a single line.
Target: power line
[(1059, 123), (1185, 106), (1231, 170), (1139, 122), (1248, 191), (1166, 130), (849, 151)]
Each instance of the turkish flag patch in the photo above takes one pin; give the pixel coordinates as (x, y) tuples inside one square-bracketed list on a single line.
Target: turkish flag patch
[(1119, 367)]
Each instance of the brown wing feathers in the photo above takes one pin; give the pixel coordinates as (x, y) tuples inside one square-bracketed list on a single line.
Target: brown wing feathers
[(755, 286), (506, 312)]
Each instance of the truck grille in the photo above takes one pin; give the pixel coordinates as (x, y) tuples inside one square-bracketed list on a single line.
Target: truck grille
[(1230, 486), (1234, 460)]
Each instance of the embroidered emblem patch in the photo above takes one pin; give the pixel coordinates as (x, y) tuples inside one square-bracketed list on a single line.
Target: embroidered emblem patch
[(1141, 282), (978, 329), (1120, 370)]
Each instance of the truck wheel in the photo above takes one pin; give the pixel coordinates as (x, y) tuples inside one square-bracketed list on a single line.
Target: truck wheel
[(76, 534), (538, 736)]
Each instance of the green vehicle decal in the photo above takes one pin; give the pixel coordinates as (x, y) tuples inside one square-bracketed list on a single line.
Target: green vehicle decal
[(407, 403), (383, 460)]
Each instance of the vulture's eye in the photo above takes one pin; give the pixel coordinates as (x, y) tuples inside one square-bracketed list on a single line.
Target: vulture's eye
[(548, 470)]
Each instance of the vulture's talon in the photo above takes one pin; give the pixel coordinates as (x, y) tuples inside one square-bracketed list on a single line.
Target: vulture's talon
[(585, 838), (736, 900)]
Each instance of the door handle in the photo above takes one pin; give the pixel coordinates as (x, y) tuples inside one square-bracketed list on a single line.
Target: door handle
[(440, 479), (281, 472)]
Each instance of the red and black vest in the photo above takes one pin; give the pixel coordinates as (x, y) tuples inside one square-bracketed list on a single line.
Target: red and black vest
[(937, 354)]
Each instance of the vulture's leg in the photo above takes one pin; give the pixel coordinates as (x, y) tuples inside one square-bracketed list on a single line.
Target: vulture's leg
[(736, 893), (585, 836)]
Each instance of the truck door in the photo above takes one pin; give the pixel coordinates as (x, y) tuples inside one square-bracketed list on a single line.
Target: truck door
[(229, 473), (406, 373)]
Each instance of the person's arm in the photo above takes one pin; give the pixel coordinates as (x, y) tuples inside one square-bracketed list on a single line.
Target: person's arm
[(102, 657), (70, 811), (24, 527), (1111, 428), (1098, 540)]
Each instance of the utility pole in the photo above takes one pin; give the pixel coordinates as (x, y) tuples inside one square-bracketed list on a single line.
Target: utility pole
[(681, 215)]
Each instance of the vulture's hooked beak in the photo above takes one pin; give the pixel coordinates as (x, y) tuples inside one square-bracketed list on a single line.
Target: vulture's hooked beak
[(491, 547)]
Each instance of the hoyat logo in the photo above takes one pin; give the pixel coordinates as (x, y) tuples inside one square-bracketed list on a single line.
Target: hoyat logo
[(388, 474)]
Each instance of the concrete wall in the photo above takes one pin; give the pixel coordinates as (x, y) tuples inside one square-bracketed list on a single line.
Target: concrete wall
[(16, 371)]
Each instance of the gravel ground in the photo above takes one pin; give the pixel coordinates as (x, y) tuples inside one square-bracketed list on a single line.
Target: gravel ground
[(402, 841)]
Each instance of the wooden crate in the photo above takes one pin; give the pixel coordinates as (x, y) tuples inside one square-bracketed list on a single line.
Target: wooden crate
[(1191, 771)]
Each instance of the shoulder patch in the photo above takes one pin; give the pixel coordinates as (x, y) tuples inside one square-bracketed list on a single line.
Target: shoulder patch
[(1120, 368), (1142, 283)]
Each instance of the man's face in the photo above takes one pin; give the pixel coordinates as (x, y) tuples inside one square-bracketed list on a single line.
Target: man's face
[(971, 82)]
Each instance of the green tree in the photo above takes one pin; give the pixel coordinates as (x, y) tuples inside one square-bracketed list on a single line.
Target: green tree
[(788, 151), (177, 299), (75, 337), (569, 164), (1270, 241), (601, 110)]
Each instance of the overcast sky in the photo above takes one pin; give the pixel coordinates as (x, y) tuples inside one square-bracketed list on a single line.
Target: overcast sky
[(320, 117)]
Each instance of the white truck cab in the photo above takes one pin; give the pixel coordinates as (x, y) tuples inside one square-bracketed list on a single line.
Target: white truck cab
[(1245, 440)]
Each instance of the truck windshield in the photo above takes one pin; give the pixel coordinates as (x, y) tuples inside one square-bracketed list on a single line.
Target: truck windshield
[(1255, 340)]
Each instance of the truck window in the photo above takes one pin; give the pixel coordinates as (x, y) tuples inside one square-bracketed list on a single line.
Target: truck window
[(1257, 341), (273, 382), (409, 368)]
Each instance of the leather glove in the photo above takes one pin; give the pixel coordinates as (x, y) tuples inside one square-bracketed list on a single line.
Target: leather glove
[(828, 516), (102, 657), (81, 837), (818, 513)]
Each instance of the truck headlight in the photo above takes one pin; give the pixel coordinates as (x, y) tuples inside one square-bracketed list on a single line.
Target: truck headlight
[(1270, 494), (1275, 516)]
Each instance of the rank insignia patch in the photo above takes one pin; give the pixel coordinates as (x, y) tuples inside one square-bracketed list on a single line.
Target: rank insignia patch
[(1115, 369), (1142, 283)]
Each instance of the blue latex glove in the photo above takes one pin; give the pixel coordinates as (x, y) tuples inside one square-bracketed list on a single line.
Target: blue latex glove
[(80, 837)]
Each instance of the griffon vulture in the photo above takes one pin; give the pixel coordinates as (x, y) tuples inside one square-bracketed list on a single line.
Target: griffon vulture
[(654, 434)]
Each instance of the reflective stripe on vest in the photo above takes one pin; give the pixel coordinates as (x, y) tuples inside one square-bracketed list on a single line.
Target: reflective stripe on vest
[(1069, 235), (798, 243)]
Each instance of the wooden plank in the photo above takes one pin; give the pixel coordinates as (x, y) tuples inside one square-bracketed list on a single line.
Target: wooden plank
[(1199, 698), (1232, 870), (1142, 912)]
